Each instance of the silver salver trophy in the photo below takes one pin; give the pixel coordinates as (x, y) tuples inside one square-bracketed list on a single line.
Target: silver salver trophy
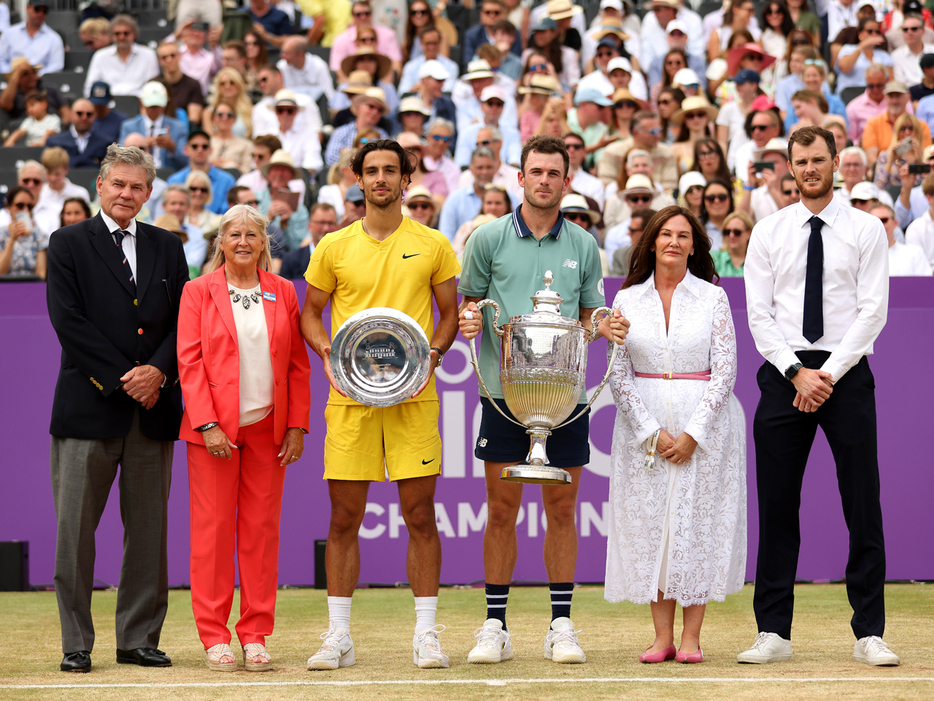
[(380, 356), (543, 367)]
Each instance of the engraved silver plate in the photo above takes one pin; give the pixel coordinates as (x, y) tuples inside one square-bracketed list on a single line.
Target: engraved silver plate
[(380, 356)]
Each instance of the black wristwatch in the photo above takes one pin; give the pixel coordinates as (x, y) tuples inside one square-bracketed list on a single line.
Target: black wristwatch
[(792, 371), (440, 355)]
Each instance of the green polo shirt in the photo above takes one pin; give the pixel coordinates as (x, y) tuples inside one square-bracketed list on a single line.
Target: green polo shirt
[(504, 262), (723, 264)]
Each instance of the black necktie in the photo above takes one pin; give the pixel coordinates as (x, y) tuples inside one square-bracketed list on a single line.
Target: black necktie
[(813, 326), (118, 235)]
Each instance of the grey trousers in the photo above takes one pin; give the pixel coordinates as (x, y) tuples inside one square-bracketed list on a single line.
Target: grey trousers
[(83, 471)]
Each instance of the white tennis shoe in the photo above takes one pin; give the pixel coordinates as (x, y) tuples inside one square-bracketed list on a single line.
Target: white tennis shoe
[(493, 644)]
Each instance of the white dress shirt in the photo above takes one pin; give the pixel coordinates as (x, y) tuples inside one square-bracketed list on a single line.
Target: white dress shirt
[(129, 239), (123, 77), (908, 65), (921, 233), (907, 261), (304, 146), (312, 79), (762, 203), (586, 184), (45, 48), (48, 210), (655, 43), (855, 285), (840, 17)]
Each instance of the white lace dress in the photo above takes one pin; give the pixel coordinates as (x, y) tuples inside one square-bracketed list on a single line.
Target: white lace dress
[(679, 529)]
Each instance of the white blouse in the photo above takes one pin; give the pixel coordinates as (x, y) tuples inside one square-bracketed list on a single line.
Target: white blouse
[(256, 379)]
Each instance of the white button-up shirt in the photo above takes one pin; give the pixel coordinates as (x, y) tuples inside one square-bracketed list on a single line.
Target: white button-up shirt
[(921, 233), (855, 285), (311, 79), (129, 240), (907, 261), (123, 77), (44, 48)]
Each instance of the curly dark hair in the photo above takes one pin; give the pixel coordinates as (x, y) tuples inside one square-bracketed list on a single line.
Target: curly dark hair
[(408, 161), (545, 144), (642, 262)]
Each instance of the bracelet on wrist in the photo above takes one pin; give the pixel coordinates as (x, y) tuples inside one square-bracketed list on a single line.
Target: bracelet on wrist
[(202, 429)]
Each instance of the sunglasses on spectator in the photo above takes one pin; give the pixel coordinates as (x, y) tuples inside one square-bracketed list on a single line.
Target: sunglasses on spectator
[(32, 181), (625, 103), (367, 40), (485, 142), (734, 232), (720, 197), (707, 154), (577, 216), (911, 29), (41, 8), (606, 54), (753, 57), (22, 205), (491, 13), (760, 127), (496, 103), (639, 199), (666, 101), (789, 193), (906, 127), (253, 203), (122, 34), (872, 31), (285, 110), (885, 220), (83, 114), (415, 206), (800, 42), (419, 13), (438, 137), (775, 11), (362, 13), (653, 132), (691, 189), (875, 86), (196, 188), (695, 115), (538, 67), (196, 147), (573, 146)]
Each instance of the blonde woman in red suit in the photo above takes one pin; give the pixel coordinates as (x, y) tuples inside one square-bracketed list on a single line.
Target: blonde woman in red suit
[(244, 372)]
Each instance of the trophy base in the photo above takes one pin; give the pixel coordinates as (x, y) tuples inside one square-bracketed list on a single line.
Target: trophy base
[(535, 474)]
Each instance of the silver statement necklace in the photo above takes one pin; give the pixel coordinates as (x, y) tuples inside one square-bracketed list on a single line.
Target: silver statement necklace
[(245, 298)]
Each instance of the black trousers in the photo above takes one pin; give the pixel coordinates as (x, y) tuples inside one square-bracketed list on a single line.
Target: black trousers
[(783, 437)]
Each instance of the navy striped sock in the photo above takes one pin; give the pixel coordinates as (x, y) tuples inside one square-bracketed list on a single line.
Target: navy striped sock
[(496, 597), (561, 593)]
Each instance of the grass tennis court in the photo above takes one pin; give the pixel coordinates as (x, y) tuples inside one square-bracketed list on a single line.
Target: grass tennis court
[(613, 636)]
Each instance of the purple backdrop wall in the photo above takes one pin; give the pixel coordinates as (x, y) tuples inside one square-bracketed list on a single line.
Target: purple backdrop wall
[(905, 386)]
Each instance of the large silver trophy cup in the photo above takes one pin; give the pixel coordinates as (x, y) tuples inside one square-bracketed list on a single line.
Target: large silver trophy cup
[(543, 367)]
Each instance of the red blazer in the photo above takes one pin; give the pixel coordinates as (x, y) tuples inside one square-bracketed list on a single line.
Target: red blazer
[(209, 357)]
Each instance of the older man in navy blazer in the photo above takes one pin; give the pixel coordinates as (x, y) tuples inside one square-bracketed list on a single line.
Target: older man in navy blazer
[(167, 136), (114, 286)]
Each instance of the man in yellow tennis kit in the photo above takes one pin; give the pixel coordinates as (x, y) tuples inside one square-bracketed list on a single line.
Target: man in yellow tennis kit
[(383, 260)]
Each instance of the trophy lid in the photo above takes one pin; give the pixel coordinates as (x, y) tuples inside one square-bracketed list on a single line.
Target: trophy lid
[(547, 300)]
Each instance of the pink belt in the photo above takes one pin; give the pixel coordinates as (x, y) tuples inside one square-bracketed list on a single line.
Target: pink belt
[(705, 375)]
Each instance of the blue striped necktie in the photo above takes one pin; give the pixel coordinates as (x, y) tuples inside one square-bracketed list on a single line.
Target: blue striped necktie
[(118, 235)]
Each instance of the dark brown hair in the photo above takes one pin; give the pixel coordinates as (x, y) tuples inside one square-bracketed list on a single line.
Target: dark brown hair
[(642, 262), (407, 160), (808, 135), (545, 144)]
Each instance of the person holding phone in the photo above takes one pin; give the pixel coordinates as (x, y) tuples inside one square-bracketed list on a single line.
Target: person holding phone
[(904, 148), (762, 193), (22, 245)]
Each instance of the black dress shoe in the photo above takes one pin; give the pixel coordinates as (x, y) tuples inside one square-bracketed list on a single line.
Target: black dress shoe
[(144, 657), (76, 661)]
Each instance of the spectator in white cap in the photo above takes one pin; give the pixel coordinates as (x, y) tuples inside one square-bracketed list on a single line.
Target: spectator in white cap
[(412, 115), (879, 131), (863, 195), (614, 14), (591, 117), (467, 94), (504, 174), (687, 80), (607, 55), (582, 181), (676, 34), (577, 210), (691, 191), (301, 140), (492, 103), (430, 38), (904, 260), (430, 88), (762, 193), (656, 22), (166, 136)]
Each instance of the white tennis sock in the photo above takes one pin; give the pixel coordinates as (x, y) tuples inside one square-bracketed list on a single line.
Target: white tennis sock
[(425, 609), (339, 611)]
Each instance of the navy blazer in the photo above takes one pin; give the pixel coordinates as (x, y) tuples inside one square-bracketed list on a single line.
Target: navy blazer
[(475, 37), (93, 154), (105, 329), (177, 130)]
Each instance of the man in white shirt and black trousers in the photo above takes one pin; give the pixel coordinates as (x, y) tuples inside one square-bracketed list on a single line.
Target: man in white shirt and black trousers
[(817, 296)]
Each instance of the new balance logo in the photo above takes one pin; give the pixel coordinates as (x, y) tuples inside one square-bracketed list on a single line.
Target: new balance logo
[(481, 442), (568, 263)]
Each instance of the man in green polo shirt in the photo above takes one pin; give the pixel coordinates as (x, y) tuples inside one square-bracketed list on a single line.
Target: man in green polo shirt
[(505, 260)]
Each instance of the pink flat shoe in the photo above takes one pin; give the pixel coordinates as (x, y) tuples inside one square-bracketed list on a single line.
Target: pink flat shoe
[(669, 653), (692, 658)]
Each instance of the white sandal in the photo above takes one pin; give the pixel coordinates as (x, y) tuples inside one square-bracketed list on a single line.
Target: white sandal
[(220, 658), (255, 658)]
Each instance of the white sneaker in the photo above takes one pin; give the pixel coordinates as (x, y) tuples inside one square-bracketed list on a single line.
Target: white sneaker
[(768, 647), (873, 650), (336, 650), (493, 644), (426, 649), (561, 644)]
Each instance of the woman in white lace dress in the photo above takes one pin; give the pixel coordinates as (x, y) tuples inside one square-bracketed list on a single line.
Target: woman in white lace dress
[(677, 531)]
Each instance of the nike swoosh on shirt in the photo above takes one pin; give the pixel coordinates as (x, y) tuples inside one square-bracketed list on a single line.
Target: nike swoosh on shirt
[(410, 255), (425, 462)]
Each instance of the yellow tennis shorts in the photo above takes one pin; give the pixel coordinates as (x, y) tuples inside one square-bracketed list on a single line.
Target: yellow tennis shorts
[(362, 439)]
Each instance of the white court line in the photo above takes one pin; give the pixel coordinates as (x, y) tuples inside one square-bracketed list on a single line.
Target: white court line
[(488, 682)]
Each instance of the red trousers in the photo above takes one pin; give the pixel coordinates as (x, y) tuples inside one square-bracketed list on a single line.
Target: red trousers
[(236, 504)]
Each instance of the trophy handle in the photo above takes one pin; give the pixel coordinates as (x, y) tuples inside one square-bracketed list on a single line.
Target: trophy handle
[(609, 368), (476, 364), (593, 322)]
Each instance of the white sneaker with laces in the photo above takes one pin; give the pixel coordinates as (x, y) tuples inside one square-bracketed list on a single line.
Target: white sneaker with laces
[(493, 644), (336, 650), (561, 644), (768, 647), (426, 649), (873, 650)]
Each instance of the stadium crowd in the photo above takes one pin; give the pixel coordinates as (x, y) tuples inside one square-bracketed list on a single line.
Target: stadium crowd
[(657, 104)]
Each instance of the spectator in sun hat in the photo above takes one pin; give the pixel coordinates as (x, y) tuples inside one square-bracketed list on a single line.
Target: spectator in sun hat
[(430, 52), (656, 22), (22, 80), (492, 103), (368, 108), (612, 17), (467, 93)]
